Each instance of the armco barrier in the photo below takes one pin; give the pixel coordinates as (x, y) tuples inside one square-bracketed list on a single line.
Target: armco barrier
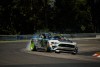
[(15, 37), (80, 35), (7, 37), (97, 36), (27, 37)]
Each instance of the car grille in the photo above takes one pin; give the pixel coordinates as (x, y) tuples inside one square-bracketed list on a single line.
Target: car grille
[(66, 45)]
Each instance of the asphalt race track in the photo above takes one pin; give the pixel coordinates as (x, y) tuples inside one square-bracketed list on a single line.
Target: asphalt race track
[(15, 54)]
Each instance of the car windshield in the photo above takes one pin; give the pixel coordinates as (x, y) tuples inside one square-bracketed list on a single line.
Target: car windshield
[(46, 35), (56, 38), (61, 38)]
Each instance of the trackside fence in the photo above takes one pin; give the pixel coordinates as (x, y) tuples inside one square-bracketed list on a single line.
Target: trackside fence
[(27, 37), (15, 37)]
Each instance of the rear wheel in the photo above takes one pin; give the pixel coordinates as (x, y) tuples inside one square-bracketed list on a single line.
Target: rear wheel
[(32, 46)]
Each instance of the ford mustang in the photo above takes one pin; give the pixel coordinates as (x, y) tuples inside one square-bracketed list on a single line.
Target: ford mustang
[(55, 43)]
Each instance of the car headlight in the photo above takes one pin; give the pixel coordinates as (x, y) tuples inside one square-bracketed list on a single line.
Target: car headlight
[(54, 42)]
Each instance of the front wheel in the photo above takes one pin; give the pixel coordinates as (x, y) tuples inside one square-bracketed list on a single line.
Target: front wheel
[(75, 52), (57, 51), (47, 49)]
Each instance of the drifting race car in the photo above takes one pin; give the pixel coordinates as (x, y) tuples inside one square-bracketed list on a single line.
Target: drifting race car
[(55, 43)]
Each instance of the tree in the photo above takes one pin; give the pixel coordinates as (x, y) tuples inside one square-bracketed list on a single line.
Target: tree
[(65, 16)]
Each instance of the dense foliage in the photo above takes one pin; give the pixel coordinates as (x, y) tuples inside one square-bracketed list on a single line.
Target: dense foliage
[(65, 16)]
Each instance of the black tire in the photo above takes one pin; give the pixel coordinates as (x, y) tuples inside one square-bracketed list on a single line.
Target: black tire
[(34, 49), (57, 51), (48, 49), (75, 52), (32, 46)]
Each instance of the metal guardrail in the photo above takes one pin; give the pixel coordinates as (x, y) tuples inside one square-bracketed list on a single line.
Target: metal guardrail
[(80, 35), (27, 37), (15, 37)]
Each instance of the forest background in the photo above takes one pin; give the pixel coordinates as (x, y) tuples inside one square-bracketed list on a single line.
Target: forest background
[(63, 16)]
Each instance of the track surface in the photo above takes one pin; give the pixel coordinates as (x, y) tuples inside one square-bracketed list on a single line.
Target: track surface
[(14, 54)]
